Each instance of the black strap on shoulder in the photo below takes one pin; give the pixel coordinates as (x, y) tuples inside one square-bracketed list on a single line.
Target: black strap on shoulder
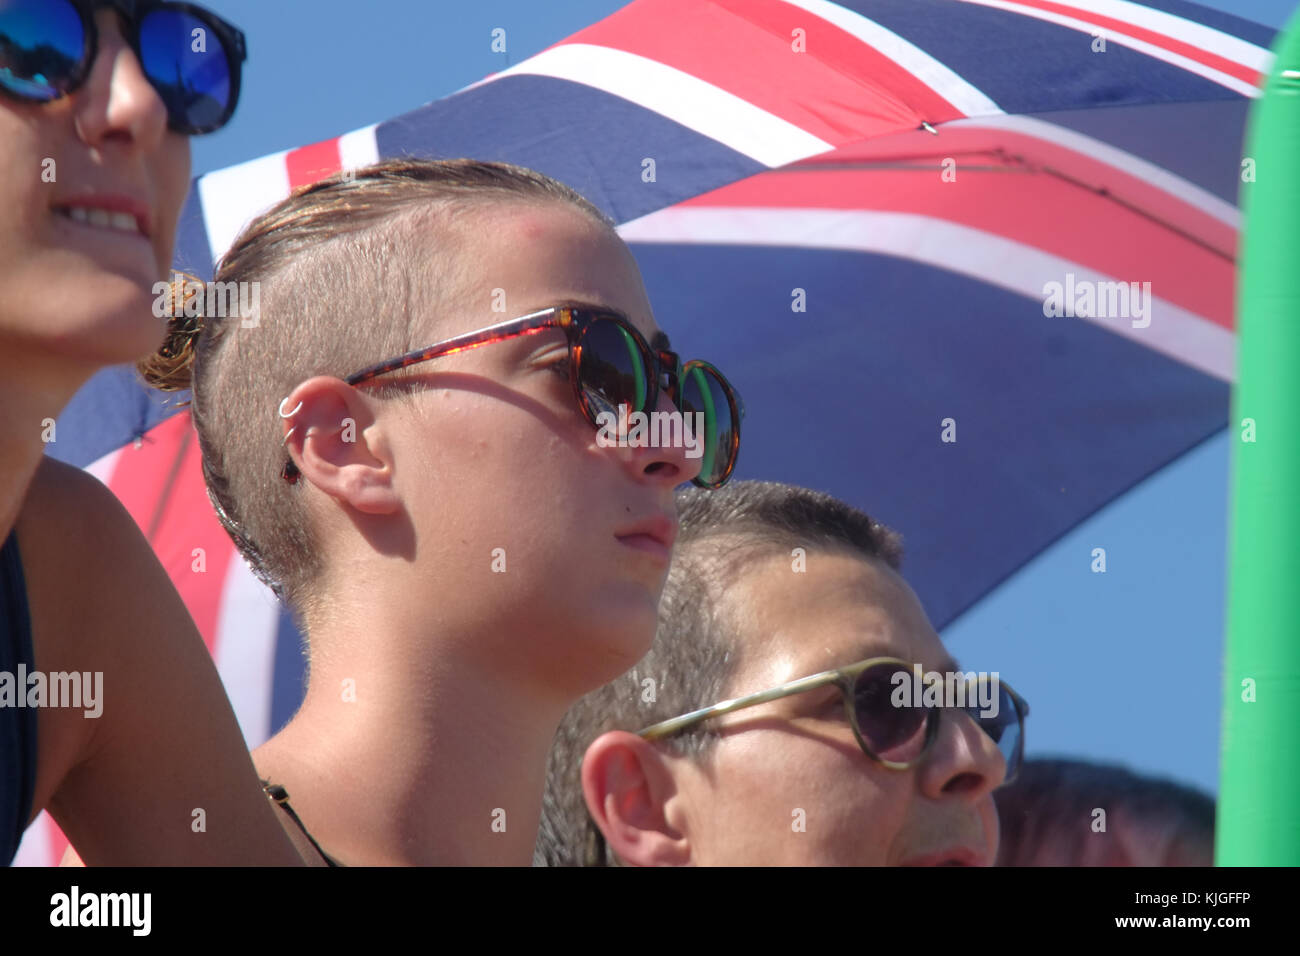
[(281, 796)]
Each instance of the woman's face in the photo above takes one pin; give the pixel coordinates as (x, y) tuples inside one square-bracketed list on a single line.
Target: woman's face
[(82, 290), (518, 510)]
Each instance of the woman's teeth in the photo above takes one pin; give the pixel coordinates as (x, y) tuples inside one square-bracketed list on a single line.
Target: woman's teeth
[(102, 218)]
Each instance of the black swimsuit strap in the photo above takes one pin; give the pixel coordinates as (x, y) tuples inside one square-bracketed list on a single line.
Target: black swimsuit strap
[(281, 796)]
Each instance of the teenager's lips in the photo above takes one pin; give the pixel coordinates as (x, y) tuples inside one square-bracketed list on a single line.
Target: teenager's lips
[(654, 535)]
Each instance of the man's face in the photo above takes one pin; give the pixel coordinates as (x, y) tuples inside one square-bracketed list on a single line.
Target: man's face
[(787, 782)]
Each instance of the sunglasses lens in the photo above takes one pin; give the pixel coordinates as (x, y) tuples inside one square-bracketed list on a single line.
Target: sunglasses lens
[(894, 733), (613, 369), (188, 64), (704, 393), (42, 43), (1004, 727)]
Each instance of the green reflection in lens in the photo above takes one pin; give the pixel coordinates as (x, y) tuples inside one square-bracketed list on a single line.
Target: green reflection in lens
[(701, 381)]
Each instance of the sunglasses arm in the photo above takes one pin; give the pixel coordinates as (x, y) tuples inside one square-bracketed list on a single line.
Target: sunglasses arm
[(669, 727), (525, 325)]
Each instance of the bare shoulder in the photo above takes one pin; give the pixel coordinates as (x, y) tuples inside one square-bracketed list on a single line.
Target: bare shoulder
[(126, 781), (88, 567), (87, 563), (84, 562), (70, 511)]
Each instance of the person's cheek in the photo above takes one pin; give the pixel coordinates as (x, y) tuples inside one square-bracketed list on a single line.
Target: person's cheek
[(172, 172)]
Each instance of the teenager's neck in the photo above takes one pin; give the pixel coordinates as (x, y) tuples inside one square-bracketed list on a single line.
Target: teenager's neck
[(423, 761), (31, 397)]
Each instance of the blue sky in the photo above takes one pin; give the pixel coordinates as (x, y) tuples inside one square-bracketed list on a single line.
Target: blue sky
[(1123, 665)]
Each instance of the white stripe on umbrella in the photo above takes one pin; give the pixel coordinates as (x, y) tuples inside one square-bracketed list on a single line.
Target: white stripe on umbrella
[(1142, 46), (103, 467), (245, 649), (232, 197), (37, 845), (682, 98), (359, 148), (984, 256), (966, 97), (1168, 24)]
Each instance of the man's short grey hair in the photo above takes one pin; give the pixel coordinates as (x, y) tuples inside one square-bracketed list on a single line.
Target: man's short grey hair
[(696, 650)]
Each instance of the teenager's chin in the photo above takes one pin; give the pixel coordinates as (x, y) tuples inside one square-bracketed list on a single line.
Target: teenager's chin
[(626, 625)]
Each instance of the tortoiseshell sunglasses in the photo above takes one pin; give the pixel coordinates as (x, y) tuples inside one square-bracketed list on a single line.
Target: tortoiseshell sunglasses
[(610, 365)]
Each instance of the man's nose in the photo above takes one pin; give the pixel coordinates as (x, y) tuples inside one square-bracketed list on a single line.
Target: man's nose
[(964, 760)]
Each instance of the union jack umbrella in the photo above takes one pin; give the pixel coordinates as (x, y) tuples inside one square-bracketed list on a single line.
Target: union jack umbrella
[(863, 210)]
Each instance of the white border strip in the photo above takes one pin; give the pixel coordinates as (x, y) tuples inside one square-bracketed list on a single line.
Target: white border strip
[(359, 148), (1178, 28), (682, 98), (247, 626), (1011, 265), (970, 99), (1142, 46), (103, 468), (34, 847), (232, 197)]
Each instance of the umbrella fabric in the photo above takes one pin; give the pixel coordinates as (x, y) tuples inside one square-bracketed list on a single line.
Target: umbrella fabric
[(924, 302), (695, 126)]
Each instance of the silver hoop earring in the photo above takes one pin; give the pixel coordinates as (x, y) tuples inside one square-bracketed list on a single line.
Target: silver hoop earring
[(287, 415)]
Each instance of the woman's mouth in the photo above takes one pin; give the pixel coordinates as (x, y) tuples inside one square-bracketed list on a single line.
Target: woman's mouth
[(122, 222), (119, 214)]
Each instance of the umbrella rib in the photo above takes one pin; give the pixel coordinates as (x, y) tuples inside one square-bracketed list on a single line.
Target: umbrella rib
[(1105, 193), (1024, 166)]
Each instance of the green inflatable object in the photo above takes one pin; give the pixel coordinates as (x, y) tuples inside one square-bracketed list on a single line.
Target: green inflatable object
[(1259, 807)]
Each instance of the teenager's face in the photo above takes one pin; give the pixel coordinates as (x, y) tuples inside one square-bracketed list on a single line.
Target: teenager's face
[(517, 509), (799, 753), (73, 289)]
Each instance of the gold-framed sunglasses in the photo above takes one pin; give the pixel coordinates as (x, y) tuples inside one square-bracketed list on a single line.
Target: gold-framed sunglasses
[(894, 736)]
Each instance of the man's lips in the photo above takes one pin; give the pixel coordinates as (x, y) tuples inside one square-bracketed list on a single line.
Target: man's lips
[(952, 856), (654, 535)]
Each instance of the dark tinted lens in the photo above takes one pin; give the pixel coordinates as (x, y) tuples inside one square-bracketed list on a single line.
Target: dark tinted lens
[(613, 369), (1003, 727), (893, 732), (188, 65), (42, 43), (704, 398)]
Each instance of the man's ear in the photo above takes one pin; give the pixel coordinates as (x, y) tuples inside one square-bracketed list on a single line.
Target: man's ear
[(633, 798), (337, 445)]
